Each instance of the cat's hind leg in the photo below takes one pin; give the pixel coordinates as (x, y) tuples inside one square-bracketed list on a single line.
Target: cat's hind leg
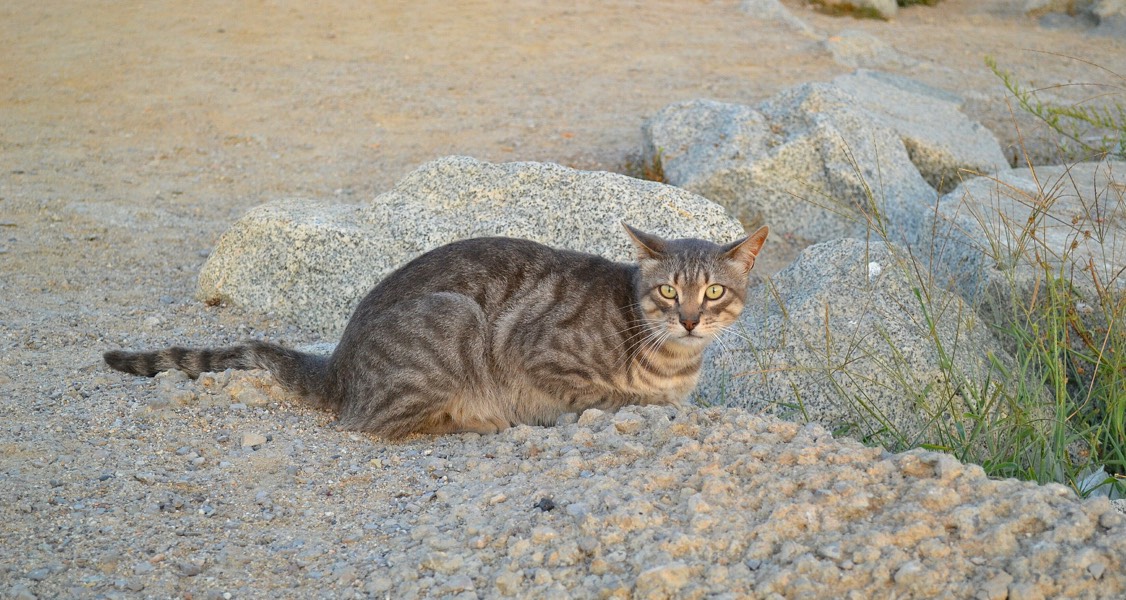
[(422, 367)]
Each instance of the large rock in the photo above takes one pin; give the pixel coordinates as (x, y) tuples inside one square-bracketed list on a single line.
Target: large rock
[(998, 236), (310, 262), (945, 145), (842, 337), (810, 162), (822, 160)]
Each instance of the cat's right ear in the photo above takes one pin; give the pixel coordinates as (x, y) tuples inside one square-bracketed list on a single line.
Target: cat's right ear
[(648, 246), (745, 251)]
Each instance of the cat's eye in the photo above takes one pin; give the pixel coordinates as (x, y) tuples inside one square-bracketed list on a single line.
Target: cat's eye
[(668, 291), (714, 292)]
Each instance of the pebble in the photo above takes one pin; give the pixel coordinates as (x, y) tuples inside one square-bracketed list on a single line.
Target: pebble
[(189, 568), (670, 577), (38, 574), (251, 439)]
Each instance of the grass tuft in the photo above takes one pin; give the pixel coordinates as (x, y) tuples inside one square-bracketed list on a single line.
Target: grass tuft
[(637, 167), (1087, 129)]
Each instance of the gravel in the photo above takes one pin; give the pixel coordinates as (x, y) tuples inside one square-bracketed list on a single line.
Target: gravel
[(648, 501)]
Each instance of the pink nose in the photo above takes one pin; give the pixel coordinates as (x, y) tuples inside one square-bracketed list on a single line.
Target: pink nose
[(689, 324)]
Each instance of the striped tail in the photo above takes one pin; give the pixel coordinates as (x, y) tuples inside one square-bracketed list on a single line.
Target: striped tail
[(299, 372)]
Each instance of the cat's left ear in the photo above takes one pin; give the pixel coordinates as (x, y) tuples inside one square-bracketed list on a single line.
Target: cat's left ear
[(648, 245), (744, 251)]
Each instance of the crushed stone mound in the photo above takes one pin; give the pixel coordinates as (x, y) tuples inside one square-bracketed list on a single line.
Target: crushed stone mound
[(645, 503)]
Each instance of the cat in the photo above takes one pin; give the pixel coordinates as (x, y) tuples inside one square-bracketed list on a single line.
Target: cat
[(483, 334)]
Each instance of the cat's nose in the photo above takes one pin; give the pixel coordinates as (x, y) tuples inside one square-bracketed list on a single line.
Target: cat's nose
[(688, 323)]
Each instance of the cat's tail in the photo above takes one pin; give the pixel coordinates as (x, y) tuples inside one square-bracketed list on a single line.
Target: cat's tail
[(299, 372)]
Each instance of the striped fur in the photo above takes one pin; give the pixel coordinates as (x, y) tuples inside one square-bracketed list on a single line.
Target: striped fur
[(482, 334)]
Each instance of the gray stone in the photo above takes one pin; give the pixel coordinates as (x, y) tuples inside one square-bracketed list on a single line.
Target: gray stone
[(822, 160), (945, 145), (810, 162), (982, 249), (251, 439), (310, 262), (658, 581), (840, 337), (1098, 17), (1111, 15)]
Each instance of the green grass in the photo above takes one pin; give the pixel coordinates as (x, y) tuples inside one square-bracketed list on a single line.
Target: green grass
[(859, 11), (636, 166), (1092, 128), (846, 9)]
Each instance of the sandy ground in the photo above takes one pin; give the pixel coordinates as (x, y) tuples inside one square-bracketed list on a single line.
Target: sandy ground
[(133, 134)]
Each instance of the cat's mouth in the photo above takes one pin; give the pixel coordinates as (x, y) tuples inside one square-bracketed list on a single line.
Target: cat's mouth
[(694, 336)]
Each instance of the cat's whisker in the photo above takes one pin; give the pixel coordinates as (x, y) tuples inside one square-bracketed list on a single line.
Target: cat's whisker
[(731, 330)]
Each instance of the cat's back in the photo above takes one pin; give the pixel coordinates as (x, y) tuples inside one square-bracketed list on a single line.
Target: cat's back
[(497, 270)]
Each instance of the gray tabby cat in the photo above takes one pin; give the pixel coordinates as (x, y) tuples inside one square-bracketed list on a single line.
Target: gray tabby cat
[(482, 334)]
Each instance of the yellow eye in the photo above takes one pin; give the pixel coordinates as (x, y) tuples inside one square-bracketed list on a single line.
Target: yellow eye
[(668, 291), (714, 292)]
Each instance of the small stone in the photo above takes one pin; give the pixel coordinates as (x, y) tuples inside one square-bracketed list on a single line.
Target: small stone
[(251, 439), (830, 551), (628, 423), (38, 574), (1110, 519), (345, 576), (142, 568), (666, 578), (21, 592), (378, 585), (458, 583), (541, 535), (242, 391), (1025, 591), (182, 397), (498, 498), (1096, 569), (545, 504), (590, 416), (908, 573), (508, 583), (189, 569), (578, 509)]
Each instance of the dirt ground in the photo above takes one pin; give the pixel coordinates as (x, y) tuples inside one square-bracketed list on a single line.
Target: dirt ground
[(132, 134)]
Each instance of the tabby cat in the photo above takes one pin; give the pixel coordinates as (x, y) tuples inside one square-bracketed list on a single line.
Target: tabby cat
[(482, 334)]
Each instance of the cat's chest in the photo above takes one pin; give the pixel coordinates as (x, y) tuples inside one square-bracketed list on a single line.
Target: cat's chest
[(662, 378)]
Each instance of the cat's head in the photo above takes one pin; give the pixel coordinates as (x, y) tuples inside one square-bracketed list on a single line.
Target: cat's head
[(689, 290)]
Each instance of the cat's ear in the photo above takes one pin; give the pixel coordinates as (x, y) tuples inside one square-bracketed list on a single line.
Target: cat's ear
[(648, 245), (744, 251)]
